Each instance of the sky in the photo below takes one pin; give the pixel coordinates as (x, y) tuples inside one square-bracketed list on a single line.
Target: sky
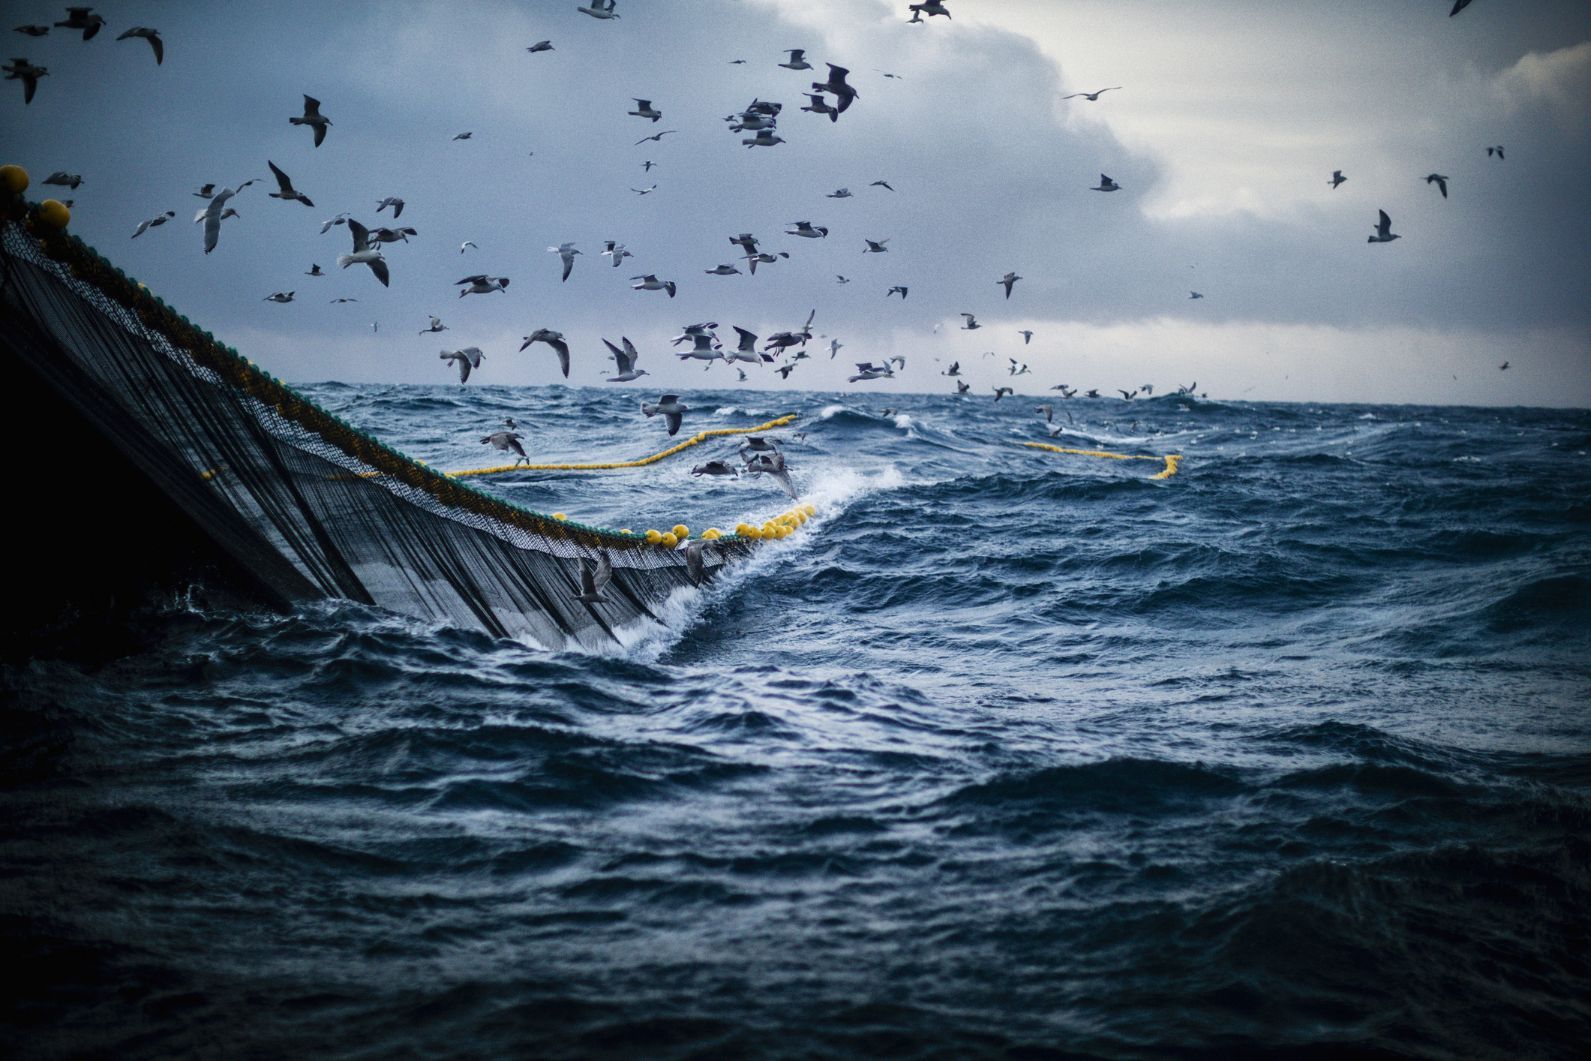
[(1230, 119)]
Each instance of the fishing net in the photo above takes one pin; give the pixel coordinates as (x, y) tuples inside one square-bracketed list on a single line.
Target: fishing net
[(310, 505)]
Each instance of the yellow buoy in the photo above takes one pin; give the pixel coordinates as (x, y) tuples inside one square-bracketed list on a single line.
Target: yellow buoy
[(559, 516), (668, 541), (770, 529), (54, 214), (681, 531), (625, 530), (14, 179), (654, 536), (712, 534)]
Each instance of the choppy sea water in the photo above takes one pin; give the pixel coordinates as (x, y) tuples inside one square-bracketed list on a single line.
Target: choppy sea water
[(1007, 753)]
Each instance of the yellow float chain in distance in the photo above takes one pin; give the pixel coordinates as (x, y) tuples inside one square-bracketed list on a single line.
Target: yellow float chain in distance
[(1171, 459), (696, 439)]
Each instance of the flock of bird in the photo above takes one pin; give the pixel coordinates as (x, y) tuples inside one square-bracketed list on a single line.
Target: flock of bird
[(782, 352)]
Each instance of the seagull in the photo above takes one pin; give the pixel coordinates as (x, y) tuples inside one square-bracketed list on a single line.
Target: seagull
[(1106, 185), (217, 211), (207, 190), (962, 387), (797, 60), (765, 258), (340, 301), (929, 8), (784, 340), (650, 282), (315, 270), (819, 105), (834, 348), (741, 373), (646, 167), (844, 94), (644, 109), (595, 579), (325, 226), (82, 18), (1017, 370), (703, 349), (1048, 411), (1008, 281), (150, 35), (1438, 180), (617, 252), (972, 323), (468, 358), (866, 370), (313, 118), (716, 468), (600, 9), (673, 412), (363, 254), (875, 246), (807, 229), (159, 219), (1503, 367), (1384, 233), (63, 178), (691, 331), (722, 270), (839, 279), (1336, 179), (1458, 5), (506, 441), (1092, 97), (436, 325), (283, 297), (881, 184), (1001, 392), (645, 191), (747, 350), (395, 203), (626, 359), (480, 284), (746, 242), (772, 465), (28, 74), (285, 190), (901, 288), (655, 136), (554, 340), (839, 193), (1027, 336), (34, 31), (567, 252), (1194, 294), (540, 46), (1498, 151), (953, 370), (466, 244), (764, 138)]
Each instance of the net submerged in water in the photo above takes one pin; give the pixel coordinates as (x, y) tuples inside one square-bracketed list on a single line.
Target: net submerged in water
[(311, 506)]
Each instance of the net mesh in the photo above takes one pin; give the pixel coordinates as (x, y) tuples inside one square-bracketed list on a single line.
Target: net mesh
[(308, 503)]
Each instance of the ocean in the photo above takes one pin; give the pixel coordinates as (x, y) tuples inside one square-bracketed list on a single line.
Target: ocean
[(1006, 753)]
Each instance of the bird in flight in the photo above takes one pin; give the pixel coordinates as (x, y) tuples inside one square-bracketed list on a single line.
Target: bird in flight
[(1438, 180), (312, 118), (1336, 179), (1092, 96), (655, 136), (1384, 233)]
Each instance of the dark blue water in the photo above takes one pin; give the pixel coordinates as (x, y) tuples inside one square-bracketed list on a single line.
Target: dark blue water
[(1006, 753)]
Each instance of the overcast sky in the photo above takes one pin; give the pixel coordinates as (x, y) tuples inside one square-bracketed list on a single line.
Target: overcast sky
[(1230, 119)]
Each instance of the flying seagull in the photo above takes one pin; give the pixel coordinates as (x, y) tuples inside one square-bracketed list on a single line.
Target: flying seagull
[(875, 246), (567, 252), (28, 74), (617, 252), (1195, 294), (34, 31), (972, 323), (929, 8), (554, 340), (1438, 180), (363, 254), (283, 297), (507, 441), (215, 212), (436, 325), (468, 358), (797, 60), (839, 193), (1498, 151), (807, 229), (285, 190), (1336, 179), (844, 94), (722, 270), (1001, 392), (467, 244), (150, 35), (1092, 96), (901, 288), (64, 179), (655, 136), (625, 359), (394, 202), (312, 118), (644, 109), (315, 270), (159, 219), (672, 411), (84, 19), (1384, 233), (480, 283), (602, 9), (540, 46), (650, 282), (1458, 5), (1105, 185), (881, 184), (819, 105), (1008, 281)]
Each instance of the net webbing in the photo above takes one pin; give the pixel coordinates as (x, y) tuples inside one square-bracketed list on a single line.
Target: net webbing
[(310, 504)]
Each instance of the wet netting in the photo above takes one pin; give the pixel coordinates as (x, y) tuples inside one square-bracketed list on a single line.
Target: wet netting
[(312, 506)]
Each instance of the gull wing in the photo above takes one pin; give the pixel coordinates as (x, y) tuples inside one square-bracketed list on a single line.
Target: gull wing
[(361, 235)]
